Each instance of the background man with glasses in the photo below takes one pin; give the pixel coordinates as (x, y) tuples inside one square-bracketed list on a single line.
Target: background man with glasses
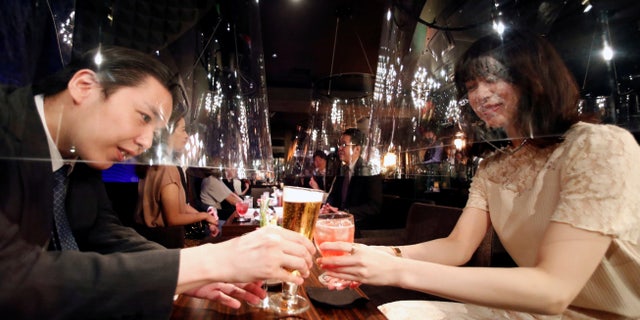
[(355, 190)]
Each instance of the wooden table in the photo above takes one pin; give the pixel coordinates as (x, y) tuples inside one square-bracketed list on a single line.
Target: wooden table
[(232, 228), (194, 308)]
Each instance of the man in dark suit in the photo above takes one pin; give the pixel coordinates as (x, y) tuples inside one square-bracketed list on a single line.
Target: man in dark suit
[(83, 263), (355, 190)]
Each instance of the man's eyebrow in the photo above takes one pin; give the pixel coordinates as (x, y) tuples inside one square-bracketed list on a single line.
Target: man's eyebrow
[(156, 111)]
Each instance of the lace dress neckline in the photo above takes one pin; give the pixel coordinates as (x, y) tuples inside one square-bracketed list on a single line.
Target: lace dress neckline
[(516, 171)]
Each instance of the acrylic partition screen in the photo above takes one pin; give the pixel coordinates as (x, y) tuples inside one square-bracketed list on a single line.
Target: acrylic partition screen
[(214, 49), (415, 100), (339, 102), (225, 85)]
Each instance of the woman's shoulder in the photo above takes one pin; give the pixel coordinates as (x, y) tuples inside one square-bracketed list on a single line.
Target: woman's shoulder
[(591, 136), (595, 130), (164, 174), (168, 170)]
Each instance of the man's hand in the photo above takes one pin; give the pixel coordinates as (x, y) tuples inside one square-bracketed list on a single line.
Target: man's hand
[(229, 294), (268, 253)]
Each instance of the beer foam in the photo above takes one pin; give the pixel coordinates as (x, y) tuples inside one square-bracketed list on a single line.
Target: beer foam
[(297, 194)]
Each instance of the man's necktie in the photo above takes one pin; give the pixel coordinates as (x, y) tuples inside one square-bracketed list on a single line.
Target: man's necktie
[(345, 186), (61, 235)]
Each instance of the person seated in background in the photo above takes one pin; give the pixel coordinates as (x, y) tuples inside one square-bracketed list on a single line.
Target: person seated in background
[(570, 220), (214, 193), (433, 154), (162, 210), (241, 187), (321, 179), (65, 254), (355, 189)]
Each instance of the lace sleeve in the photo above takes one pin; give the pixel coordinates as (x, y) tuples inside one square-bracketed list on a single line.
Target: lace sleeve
[(599, 180), (478, 189)]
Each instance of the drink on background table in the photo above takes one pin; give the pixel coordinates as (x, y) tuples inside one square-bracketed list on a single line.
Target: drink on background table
[(265, 220), (242, 208)]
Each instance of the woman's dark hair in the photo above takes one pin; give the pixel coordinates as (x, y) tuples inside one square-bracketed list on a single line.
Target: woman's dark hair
[(549, 93), (115, 67)]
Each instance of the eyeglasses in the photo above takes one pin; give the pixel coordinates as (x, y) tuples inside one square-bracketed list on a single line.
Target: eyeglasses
[(344, 145)]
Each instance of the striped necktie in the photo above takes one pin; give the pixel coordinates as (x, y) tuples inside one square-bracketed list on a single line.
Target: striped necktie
[(62, 238)]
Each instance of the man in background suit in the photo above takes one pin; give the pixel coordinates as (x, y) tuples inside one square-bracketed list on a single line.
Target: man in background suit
[(355, 189), (104, 108)]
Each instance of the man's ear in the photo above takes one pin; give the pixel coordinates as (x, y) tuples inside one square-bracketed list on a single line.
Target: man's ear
[(82, 85)]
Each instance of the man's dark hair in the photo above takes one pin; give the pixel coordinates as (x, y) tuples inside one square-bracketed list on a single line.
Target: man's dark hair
[(321, 154), (357, 137), (115, 67)]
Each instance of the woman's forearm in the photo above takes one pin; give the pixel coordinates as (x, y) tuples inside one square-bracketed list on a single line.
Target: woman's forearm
[(522, 289), (444, 251), (185, 218), (566, 260)]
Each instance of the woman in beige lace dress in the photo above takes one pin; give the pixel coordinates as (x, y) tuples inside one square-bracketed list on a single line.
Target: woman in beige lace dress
[(562, 198)]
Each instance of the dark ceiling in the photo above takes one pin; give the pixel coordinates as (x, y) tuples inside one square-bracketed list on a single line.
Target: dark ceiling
[(301, 39)]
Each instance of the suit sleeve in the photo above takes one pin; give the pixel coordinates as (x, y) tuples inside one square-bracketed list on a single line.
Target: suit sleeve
[(116, 274), (371, 195)]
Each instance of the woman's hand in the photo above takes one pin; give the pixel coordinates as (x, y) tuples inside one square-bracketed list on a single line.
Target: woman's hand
[(212, 216), (313, 184), (370, 265), (214, 229), (212, 220), (327, 208), (229, 294)]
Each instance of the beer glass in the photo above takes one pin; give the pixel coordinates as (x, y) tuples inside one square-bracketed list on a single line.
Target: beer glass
[(300, 212)]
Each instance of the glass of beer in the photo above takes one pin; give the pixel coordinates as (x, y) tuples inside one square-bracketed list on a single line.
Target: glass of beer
[(300, 211), (334, 227)]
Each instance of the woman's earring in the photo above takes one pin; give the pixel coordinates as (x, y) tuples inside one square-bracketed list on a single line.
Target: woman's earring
[(72, 149)]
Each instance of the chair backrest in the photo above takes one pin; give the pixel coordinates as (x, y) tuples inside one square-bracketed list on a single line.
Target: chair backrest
[(256, 193), (428, 222), (194, 185)]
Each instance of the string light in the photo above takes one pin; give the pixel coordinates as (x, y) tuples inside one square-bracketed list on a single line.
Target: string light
[(498, 26)]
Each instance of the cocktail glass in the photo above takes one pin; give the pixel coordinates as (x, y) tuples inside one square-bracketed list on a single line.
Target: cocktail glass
[(333, 227), (301, 207), (242, 207)]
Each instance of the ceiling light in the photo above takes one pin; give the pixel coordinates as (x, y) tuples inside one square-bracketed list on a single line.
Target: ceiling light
[(607, 52), (98, 58), (498, 27)]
